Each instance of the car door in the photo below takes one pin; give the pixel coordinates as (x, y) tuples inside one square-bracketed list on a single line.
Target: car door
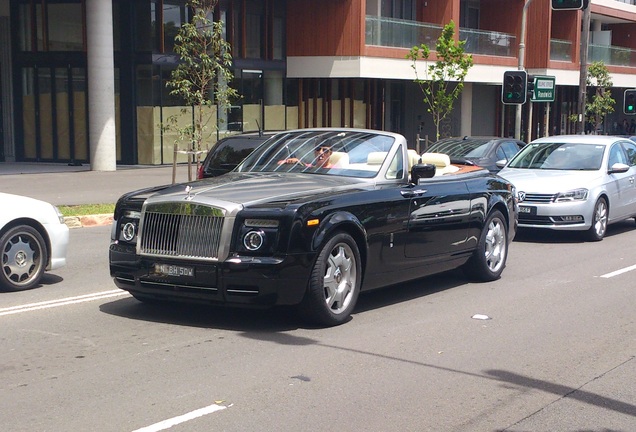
[(439, 217), (621, 186), (630, 151)]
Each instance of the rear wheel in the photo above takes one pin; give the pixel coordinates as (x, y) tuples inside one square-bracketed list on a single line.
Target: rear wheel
[(599, 221), (23, 258), (489, 259), (334, 283)]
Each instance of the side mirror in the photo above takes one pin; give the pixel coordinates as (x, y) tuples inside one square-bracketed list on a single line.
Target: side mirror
[(501, 163), (420, 171), (618, 168)]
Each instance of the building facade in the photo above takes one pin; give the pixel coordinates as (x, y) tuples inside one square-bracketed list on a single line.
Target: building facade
[(297, 63)]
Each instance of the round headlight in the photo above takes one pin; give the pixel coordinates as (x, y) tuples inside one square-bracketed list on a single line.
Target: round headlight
[(254, 240), (128, 231)]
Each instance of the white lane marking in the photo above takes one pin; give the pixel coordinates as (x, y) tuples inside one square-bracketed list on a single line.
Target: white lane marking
[(167, 424), (618, 272), (61, 302)]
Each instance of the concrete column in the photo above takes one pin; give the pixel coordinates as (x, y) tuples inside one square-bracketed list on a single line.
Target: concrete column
[(101, 85), (466, 122)]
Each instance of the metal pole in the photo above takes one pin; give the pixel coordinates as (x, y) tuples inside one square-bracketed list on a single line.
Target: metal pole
[(585, 42), (522, 54)]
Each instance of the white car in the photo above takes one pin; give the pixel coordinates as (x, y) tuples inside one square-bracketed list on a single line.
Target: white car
[(33, 238), (575, 182)]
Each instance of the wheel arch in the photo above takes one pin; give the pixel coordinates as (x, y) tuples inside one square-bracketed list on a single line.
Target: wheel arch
[(346, 222)]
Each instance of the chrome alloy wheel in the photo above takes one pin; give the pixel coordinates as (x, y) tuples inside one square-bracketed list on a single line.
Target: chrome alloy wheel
[(495, 245), (599, 218), (22, 260), (340, 278)]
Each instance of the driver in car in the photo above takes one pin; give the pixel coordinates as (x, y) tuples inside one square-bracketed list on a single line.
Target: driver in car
[(321, 158)]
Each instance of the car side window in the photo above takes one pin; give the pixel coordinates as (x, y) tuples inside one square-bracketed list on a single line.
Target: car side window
[(630, 149), (617, 155), (509, 148)]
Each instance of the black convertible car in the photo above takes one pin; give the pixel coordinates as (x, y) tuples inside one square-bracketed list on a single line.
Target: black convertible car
[(312, 218)]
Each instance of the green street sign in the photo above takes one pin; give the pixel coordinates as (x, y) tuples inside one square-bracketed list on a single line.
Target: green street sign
[(544, 89)]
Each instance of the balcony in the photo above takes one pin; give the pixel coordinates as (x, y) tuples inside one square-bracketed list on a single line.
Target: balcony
[(390, 32), (611, 55), (488, 42)]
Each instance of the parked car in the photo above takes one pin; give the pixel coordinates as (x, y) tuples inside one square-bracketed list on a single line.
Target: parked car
[(287, 227), (228, 152), (576, 182), (33, 238), (484, 151)]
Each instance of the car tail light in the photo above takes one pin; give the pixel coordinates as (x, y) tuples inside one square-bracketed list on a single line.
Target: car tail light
[(200, 172)]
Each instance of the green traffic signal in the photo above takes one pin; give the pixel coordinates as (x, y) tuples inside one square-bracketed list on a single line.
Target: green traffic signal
[(629, 101), (568, 4)]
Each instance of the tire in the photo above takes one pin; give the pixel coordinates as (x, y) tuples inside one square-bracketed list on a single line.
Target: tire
[(24, 258), (599, 221), (334, 283), (489, 259)]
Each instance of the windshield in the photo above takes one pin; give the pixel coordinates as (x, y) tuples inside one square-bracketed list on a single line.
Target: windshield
[(459, 147), (351, 154), (559, 156)]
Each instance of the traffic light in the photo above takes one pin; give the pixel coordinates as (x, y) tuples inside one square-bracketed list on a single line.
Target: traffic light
[(514, 90), (569, 4), (530, 87), (629, 101)]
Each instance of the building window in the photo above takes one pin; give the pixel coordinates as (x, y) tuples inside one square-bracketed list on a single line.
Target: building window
[(51, 26)]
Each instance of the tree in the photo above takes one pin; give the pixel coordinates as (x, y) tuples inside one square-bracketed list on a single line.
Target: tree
[(452, 65), (599, 98), (202, 77)]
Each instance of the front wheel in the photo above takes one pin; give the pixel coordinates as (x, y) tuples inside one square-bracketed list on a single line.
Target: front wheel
[(489, 259), (23, 258), (599, 221), (334, 284)]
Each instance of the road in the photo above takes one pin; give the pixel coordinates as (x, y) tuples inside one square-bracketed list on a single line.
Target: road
[(557, 352)]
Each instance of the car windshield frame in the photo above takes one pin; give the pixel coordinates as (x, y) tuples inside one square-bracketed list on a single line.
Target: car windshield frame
[(560, 155), (359, 153)]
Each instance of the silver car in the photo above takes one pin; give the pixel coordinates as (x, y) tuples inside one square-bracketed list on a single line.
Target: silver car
[(575, 182)]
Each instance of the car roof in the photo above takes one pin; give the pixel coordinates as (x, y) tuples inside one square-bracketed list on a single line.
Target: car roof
[(581, 139)]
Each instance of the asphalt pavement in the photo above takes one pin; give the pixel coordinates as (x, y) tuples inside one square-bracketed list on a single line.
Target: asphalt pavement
[(62, 184)]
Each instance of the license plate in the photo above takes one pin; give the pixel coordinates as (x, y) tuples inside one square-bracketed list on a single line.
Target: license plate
[(174, 270), (527, 210)]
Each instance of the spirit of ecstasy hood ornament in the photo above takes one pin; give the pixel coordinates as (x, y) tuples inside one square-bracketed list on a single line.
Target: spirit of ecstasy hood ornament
[(187, 191)]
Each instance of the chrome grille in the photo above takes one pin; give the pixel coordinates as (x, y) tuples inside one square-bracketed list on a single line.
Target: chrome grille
[(182, 230), (538, 198)]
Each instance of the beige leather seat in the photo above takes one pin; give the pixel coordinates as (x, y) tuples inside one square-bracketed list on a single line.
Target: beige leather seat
[(441, 161), (376, 158), (339, 160), (414, 158)]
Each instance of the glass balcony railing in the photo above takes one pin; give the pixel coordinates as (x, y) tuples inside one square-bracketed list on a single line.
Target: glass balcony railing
[(393, 32), (398, 33), (488, 42), (611, 55), (560, 50)]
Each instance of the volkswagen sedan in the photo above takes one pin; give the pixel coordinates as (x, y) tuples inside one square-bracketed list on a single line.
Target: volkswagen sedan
[(310, 219), (577, 182)]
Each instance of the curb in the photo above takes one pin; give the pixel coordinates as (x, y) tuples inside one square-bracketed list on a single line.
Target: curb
[(88, 220)]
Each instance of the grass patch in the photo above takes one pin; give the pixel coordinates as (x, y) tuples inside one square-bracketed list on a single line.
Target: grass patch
[(86, 209)]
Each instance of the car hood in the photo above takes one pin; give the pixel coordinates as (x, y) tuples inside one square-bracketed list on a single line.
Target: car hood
[(549, 181), (18, 206), (249, 189)]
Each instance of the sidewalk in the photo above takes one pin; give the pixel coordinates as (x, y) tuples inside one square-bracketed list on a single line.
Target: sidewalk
[(61, 184)]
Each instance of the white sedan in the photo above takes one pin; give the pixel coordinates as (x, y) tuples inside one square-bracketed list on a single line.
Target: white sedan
[(575, 182), (33, 238)]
